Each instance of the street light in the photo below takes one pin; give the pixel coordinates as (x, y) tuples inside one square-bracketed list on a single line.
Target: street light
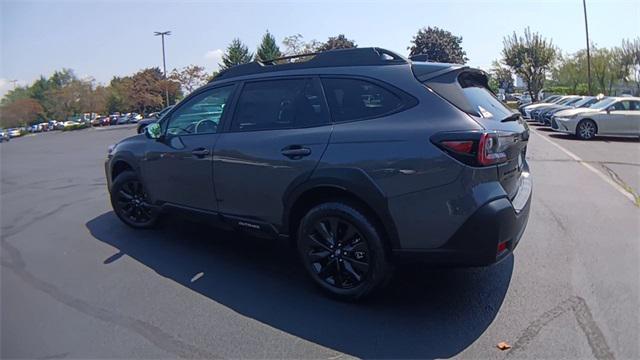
[(164, 63), (586, 28)]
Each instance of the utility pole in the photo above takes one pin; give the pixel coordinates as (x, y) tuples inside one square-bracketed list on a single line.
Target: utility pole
[(586, 29), (164, 63)]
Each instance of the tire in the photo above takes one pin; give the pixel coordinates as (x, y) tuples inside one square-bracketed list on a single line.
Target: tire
[(343, 251), (130, 202), (586, 129)]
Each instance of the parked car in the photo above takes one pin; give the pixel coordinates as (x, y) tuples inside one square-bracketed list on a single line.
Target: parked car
[(382, 163), (4, 135), (70, 123), (568, 100), (153, 117), (584, 102), (123, 119), (618, 116), (15, 132), (526, 109)]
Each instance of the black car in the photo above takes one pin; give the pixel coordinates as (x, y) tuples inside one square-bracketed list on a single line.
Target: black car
[(359, 157), (142, 124)]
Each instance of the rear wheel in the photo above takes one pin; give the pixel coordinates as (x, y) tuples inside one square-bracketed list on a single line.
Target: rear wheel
[(586, 129), (343, 251), (131, 203)]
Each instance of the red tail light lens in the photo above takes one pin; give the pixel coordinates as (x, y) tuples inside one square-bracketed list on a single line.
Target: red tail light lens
[(463, 147), (474, 148)]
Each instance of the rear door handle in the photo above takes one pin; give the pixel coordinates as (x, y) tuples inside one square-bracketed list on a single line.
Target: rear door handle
[(200, 152), (296, 151)]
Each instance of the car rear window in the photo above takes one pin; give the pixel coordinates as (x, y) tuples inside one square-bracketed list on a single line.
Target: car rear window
[(356, 99), (469, 92)]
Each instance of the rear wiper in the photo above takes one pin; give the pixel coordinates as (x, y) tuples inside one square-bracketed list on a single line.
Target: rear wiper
[(512, 117)]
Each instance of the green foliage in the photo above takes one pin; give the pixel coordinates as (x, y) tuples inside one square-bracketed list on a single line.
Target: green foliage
[(237, 53), (295, 45), (337, 42), (530, 56), (268, 49), (439, 45), (502, 76)]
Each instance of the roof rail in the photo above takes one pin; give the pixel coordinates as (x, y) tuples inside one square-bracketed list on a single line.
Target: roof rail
[(331, 58)]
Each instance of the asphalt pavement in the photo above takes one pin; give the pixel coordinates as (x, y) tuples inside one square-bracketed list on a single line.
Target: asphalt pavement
[(77, 283)]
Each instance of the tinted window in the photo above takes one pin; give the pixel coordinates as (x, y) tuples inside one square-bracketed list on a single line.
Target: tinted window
[(279, 104), (353, 99), (200, 114), (626, 105), (485, 103)]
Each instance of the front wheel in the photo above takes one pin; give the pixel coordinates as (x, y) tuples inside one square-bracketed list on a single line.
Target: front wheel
[(131, 203), (343, 251), (586, 130)]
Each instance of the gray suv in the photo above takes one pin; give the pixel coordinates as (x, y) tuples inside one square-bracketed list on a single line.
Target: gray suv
[(360, 157)]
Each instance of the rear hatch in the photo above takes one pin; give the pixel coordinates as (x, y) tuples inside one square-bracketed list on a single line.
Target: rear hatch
[(468, 90)]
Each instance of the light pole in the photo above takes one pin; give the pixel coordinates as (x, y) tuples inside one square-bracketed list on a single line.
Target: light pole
[(164, 63), (586, 29)]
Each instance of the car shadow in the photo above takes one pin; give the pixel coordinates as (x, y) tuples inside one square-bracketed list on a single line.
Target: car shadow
[(570, 137), (424, 313)]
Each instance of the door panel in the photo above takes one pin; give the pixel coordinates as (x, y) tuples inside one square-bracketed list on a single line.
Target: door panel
[(252, 174), (178, 168), (280, 130)]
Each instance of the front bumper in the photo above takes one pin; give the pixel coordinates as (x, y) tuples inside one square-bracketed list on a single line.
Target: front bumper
[(563, 125), (476, 242)]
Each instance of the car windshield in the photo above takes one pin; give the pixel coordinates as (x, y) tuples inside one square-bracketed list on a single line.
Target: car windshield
[(603, 104), (584, 102)]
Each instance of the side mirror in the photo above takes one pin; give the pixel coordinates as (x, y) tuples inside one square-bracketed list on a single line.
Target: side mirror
[(153, 131), (156, 115)]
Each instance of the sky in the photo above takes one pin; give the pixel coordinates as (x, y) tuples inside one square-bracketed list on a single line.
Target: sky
[(102, 39)]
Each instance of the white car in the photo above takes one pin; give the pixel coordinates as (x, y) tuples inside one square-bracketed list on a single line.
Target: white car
[(70, 123), (619, 116), (14, 133), (526, 109)]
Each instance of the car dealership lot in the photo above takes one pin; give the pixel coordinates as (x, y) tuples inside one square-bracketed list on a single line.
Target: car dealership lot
[(76, 282)]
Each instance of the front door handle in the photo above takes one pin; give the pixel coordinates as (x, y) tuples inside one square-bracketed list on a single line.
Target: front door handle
[(200, 152), (296, 151)]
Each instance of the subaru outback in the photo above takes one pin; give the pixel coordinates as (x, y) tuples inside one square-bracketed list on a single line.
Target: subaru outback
[(360, 157)]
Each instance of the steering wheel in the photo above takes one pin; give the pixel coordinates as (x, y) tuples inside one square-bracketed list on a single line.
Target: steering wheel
[(206, 126)]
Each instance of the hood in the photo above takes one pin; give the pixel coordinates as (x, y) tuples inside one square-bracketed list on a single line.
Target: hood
[(572, 112), (536, 106)]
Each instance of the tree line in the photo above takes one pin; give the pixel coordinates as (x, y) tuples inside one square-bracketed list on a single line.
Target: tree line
[(531, 56)]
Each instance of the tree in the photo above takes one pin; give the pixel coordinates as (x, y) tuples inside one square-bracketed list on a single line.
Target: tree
[(237, 53), (190, 77), (571, 71), (630, 52), (608, 68), (502, 76), (268, 49), (439, 45), (530, 57), (20, 112), (295, 45), (337, 42)]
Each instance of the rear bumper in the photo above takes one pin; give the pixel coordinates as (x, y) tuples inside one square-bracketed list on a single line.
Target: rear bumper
[(476, 242)]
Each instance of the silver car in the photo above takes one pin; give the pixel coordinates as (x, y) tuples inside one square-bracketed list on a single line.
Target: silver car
[(619, 116)]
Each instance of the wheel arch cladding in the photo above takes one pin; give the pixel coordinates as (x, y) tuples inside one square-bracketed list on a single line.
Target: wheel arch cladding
[(120, 166), (351, 185)]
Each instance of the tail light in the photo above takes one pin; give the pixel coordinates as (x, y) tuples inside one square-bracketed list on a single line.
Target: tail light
[(475, 148)]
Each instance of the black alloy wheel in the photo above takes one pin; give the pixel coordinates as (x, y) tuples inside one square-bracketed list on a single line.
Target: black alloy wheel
[(337, 252), (131, 203), (343, 251)]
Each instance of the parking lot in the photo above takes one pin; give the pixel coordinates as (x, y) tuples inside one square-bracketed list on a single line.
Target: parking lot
[(78, 283)]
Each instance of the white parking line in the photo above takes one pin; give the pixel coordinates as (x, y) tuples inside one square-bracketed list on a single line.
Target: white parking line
[(591, 168)]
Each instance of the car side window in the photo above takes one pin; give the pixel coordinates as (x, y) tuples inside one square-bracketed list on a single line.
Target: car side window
[(621, 106), (279, 104), (201, 114), (634, 105), (355, 99)]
